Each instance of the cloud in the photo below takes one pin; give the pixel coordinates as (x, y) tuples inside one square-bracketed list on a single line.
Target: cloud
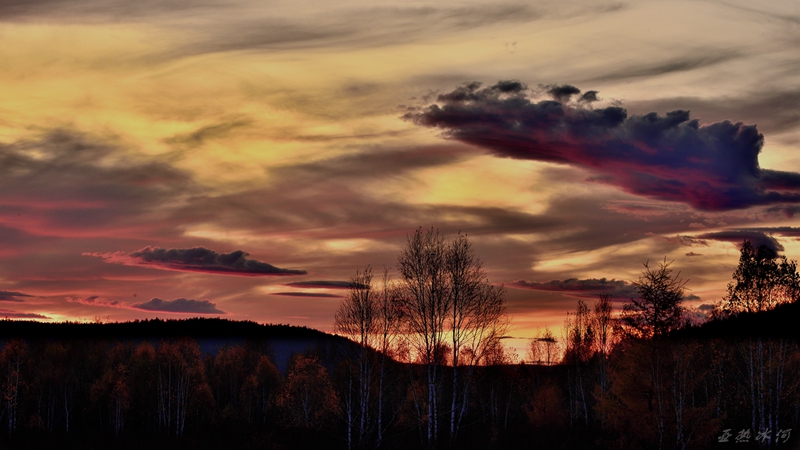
[(564, 92), (11, 296), (672, 157), (694, 254), (68, 184), (773, 108), (587, 288), (207, 133), (306, 294), (737, 237), (322, 284), (20, 315), (96, 300), (680, 64), (180, 305), (197, 259)]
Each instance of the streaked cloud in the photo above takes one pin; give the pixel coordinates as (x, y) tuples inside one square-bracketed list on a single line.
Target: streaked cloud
[(321, 284), (307, 294), (179, 305), (587, 288), (12, 296), (197, 259), (5, 313)]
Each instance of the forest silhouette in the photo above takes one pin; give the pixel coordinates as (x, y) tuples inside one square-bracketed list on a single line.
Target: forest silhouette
[(418, 362)]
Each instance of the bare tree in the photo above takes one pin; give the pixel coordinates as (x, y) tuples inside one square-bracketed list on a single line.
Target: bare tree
[(543, 348), (657, 310), (603, 327), (358, 319), (580, 343), (387, 332), (476, 320), (425, 306), (448, 306)]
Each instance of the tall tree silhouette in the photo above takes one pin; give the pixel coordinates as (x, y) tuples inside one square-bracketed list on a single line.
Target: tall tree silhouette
[(762, 280), (657, 309)]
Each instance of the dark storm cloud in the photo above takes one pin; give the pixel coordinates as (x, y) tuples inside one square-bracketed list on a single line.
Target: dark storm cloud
[(322, 284), (197, 259), (307, 294), (564, 92), (774, 110), (671, 157), (592, 287), (589, 97), (180, 305), (11, 296)]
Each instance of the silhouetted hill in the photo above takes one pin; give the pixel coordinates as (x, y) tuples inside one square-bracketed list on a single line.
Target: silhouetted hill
[(783, 321), (211, 334)]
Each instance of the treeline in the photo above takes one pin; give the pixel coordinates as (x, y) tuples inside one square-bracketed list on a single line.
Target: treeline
[(424, 367), (667, 393)]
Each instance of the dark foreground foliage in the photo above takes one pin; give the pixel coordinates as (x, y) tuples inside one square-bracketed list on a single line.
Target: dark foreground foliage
[(215, 384)]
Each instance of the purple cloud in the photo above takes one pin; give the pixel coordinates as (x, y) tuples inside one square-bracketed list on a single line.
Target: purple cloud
[(180, 305), (20, 315), (321, 284), (737, 237), (588, 288), (11, 296), (197, 259), (672, 157), (306, 294)]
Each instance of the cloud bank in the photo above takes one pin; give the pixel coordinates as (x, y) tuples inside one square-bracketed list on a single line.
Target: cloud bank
[(320, 284), (307, 294), (197, 259), (587, 288), (673, 157), (20, 315), (179, 305), (11, 296)]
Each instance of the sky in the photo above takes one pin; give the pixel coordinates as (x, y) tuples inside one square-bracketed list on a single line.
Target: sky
[(243, 159)]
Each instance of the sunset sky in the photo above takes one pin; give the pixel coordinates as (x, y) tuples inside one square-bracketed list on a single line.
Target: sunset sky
[(242, 159)]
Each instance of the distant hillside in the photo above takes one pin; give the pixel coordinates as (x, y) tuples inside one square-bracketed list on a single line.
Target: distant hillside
[(211, 334), (783, 321)]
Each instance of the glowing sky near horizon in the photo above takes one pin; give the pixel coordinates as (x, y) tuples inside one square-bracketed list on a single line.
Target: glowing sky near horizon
[(170, 159)]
